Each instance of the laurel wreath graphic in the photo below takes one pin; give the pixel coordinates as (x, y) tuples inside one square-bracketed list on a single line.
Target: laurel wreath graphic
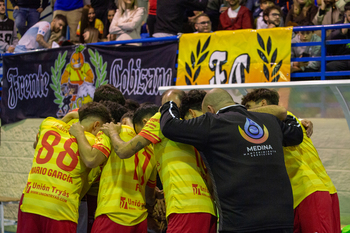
[(100, 67), (195, 68), (269, 65), (56, 71)]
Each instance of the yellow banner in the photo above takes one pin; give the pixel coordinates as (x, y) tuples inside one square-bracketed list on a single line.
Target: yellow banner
[(241, 56)]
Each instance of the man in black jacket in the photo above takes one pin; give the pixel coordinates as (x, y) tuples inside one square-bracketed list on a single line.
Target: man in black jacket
[(244, 157)]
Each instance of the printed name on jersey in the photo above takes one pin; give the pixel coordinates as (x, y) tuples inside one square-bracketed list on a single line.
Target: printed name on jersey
[(200, 190), (46, 190), (52, 173), (129, 204)]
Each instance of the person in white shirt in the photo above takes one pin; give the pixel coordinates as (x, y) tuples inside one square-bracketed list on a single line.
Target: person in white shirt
[(37, 36), (126, 23)]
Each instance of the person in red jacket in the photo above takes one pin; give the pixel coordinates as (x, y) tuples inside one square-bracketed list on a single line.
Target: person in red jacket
[(236, 17)]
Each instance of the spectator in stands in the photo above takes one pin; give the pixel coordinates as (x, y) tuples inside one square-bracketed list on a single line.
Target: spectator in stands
[(343, 49), (285, 6), (302, 10), (152, 17), (91, 35), (236, 17), (37, 37), (306, 51), (102, 8), (272, 18), (88, 19), (72, 9), (170, 15), (144, 4), (8, 31), (269, 18), (126, 23), (110, 37), (213, 10), (27, 11), (327, 13), (202, 23)]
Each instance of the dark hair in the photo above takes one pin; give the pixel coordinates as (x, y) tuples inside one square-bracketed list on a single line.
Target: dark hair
[(193, 100), (257, 95), (131, 104), (61, 17), (146, 110), (262, 1), (347, 7), (107, 24), (94, 109), (305, 23), (109, 92), (200, 15), (129, 114), (2, 0), (269, 9), (84, 22), (116, 110)]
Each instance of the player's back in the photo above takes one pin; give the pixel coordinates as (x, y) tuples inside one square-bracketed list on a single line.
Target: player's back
[(122, 185), (57, 175), (305, 169), (181, 171)]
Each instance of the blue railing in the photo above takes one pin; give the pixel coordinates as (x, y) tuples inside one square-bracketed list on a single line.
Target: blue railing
[(323, 58)]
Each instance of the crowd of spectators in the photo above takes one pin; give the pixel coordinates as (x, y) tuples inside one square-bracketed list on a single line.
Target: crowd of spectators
[(127, 19)]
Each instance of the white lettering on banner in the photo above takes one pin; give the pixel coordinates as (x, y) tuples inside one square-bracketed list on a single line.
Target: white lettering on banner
[(136, 80), (218, 59), (29, 86)]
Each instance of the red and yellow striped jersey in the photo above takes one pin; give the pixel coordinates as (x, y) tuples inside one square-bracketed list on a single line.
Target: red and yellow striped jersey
[(181, 171), (305, 169), (58, 176), (122, 185)]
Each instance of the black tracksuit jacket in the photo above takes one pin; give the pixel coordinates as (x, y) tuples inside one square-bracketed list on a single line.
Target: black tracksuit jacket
[(243, 152)]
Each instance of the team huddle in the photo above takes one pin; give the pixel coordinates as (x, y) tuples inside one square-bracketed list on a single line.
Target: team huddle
[(247, 167)]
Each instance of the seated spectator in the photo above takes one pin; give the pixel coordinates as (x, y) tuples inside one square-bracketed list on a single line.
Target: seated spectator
[(88, 19), (27, 13), (8, 31), (273, 15), (285, 6), (72, 9), (170, 15), (327, 13), (202, 23), (213, 10), (91, 35), (152, 17), (236, 17), (37, 37), (302, 10), (340, 34), (126, 23), (102, 8), (111, 13), (306, 51)]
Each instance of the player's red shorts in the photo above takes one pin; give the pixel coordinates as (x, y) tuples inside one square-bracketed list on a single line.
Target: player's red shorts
[(193, 222), (103, 224), (336, 212), (34, 223), (316, 214)]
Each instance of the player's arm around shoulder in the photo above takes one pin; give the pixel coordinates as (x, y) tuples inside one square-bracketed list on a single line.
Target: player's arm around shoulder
[(292, 131), (123, 149), (92, 156)]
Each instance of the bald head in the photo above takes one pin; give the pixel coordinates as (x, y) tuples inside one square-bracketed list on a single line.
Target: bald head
[(215, 100), (174, 95)]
